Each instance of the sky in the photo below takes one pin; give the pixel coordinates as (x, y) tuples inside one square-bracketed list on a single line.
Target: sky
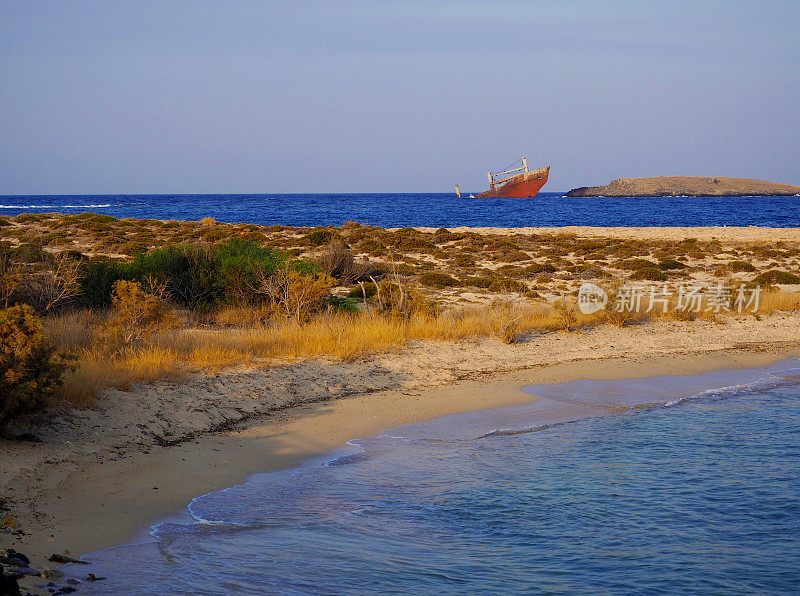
[(113, 97)]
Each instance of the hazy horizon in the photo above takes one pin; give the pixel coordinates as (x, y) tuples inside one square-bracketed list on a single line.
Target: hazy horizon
[(262, 97)]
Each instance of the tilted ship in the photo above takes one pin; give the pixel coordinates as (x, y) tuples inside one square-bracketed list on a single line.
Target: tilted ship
[(525, 184)]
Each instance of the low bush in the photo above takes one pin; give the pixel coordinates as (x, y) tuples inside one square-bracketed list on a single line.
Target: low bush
[(438, 280), (241, 265), (191, 273), (507, 285), (29, 370), (635, 264), (478, 282), (649, 273), (537, 268), (363, 290), (401, 301), (320, 237), (338, 262), (296, 294), (96, 279), (137, 314), (670, 264), (740, 267), (463, 260), (774, 276), (31, 217)]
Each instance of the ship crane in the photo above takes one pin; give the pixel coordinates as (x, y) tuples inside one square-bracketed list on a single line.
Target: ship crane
[(493, 181)]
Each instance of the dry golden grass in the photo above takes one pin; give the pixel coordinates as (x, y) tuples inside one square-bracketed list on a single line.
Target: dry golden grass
[(348, 336), (338, 336), (82, 384), (72, 330), (773, 300)]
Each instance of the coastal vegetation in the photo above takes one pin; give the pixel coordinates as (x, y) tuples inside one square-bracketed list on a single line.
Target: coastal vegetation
[(129, 301), (29, 370)]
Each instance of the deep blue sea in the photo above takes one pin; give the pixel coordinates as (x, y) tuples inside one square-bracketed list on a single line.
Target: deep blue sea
[(686, 485), (435, 210)]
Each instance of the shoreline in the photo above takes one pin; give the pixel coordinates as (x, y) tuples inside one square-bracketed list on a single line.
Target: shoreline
[(679, 233), (109, 503)]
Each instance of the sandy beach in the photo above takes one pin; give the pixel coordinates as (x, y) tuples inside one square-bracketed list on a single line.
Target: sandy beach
[(102, 477), (702, 233)]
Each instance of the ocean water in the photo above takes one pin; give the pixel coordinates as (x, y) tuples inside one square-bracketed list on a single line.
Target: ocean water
[(435, 210), (660, 485)]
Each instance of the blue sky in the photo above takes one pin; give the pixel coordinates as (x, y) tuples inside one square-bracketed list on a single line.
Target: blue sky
[(346, 96)]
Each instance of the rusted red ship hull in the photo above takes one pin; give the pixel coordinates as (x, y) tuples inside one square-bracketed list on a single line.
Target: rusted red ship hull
[(524, 185)]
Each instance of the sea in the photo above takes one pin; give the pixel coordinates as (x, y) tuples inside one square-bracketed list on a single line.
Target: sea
[(663, 485), (426, 209)]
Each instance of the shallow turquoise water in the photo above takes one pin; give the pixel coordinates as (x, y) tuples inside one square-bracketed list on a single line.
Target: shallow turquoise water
[(699, 495)]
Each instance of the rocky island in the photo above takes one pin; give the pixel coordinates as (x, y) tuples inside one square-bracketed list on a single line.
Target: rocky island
[(675, 186)]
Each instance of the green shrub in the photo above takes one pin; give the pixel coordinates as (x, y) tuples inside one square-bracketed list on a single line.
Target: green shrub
[(462, 260), (537, 268), (98, 218), (191, 274), (478, 282), (740, 267), (670, 264), (97, 278), (438, 280), (320, 237), (507, 285), (512, 255), (29, 372), (774, 276), (371, 246), (242, 264), (304, 266), (342, 303), (368, 288), (415, 243), (635, 264), (132, 248), (649, 273), (28, 253), (31, 217)]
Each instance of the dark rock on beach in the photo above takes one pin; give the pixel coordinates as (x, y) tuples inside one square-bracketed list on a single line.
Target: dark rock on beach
[(12, 557), (8, 583), (64, 559)]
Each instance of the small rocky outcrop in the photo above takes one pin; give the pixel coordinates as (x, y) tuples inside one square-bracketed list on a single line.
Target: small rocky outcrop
[(695, 186)]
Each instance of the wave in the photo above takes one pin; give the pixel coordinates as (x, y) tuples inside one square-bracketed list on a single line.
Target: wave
[(774, 379), (510, 432)]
